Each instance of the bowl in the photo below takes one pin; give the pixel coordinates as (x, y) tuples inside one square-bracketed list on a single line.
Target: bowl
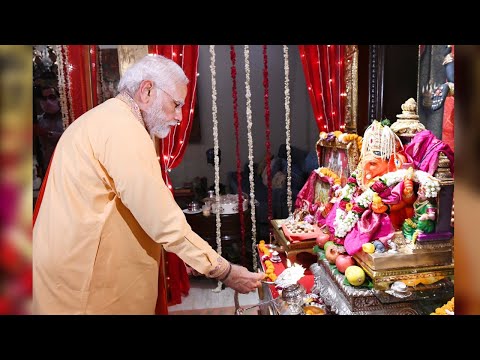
[(193, 206), (228, 204)]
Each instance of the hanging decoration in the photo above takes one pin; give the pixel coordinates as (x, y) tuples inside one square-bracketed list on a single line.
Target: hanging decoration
[(78, 78), (267, 134), (172, 148), (233, 57), (287, 128), (216, 159), (248, 96), (324, 67), (64, 84)]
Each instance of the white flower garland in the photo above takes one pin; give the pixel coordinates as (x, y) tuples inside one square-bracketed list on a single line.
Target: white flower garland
[(287, 129), (248, 96), (345, 221), (216, 160)]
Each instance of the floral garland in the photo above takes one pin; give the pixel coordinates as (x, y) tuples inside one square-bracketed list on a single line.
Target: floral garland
[(216, 159), (348, 212), (64, 84), (248, 96), (233, 57), (332, 177), (267, 134), (340, 138), (287, 129)]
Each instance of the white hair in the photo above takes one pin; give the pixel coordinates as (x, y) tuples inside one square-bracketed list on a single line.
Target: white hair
[(163, 72)]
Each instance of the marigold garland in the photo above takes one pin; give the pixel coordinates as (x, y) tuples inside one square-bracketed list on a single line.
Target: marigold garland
[(335, 179), (447, 309)]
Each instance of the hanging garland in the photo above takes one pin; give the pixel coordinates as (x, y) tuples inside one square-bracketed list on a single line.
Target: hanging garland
[(216, 159), (248, 96), (267, 134), (233, 57), (64, 69), (287, 129)]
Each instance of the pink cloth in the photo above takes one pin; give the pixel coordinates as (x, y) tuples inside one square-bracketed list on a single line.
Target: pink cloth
[(424, 149), (371, 226), (395, 195), (308, 190)]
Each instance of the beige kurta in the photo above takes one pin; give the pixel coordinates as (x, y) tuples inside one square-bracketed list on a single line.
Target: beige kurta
[(105, 214)]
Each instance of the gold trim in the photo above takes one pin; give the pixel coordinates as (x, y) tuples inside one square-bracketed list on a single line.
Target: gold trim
[(383, 279), (88, 71), (351, 88)]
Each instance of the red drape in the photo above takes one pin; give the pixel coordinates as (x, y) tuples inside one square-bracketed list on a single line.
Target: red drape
[(79, 75), (172, 149), (323, 66)]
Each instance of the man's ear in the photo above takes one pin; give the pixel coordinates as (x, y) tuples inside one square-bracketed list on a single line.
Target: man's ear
[(144, 91)]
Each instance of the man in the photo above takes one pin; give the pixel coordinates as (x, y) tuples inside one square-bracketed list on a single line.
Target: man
[(49, 126), (106, 211)]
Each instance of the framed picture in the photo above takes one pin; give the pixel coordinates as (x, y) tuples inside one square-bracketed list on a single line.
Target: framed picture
[(336, 159), (341, 158), (322, 192)]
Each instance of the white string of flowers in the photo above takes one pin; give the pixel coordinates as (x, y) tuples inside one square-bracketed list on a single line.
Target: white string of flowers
[(248, 96), (287, 129), (216, 159)]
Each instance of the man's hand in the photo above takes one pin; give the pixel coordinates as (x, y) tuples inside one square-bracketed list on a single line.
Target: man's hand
[(242, 280)]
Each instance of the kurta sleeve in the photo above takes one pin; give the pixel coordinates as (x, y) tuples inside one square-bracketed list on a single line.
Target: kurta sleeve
[(127, 154)]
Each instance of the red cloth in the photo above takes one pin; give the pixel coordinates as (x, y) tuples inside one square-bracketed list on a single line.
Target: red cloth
[(323, 68), (80, 78), (294, 238), (171, 150), (303, 259), (448, 136)]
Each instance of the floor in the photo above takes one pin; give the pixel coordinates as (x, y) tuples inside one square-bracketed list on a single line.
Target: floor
[(202, 300)]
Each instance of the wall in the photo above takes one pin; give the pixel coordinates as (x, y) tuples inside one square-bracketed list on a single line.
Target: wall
[(304, 132)]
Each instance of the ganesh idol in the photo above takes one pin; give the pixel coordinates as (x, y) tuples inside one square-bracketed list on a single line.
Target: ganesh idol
[(379, 195)]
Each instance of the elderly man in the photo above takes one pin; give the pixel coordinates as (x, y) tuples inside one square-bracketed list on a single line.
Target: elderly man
[(106, 211)]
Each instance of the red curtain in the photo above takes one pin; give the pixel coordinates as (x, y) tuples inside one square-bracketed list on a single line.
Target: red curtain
[(323, 66), (172, 149), (78, 72)]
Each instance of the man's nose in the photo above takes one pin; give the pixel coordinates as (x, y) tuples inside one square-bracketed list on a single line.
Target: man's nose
[(179, 117)]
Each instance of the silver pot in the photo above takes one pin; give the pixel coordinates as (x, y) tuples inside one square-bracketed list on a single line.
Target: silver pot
[(293, 295)]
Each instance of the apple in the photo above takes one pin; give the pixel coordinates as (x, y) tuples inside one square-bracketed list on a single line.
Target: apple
[(343, 262), (331, 254), (322, 239), (327, 244)]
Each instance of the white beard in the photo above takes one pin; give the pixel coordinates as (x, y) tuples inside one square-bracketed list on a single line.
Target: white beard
[(155, 120)]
